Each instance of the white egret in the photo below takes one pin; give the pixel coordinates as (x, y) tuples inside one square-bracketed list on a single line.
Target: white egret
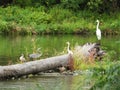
[(68, 48), (22, 58), (98, 31)]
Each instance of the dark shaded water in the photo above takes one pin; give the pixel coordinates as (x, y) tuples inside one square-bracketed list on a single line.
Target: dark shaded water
[(11, 47)]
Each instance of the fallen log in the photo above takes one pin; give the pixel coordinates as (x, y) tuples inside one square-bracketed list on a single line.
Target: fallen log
[(85, 52), (33, 67), (89, 51)]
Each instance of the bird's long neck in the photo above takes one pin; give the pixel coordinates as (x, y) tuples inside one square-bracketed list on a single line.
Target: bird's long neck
[(97, 25), (68, 48), (38, 51), (22, 56)]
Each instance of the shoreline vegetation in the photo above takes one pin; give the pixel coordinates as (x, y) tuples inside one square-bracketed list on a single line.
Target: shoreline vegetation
[(55, 20)]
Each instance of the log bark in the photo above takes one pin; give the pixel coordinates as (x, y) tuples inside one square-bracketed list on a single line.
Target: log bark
[(89, 51), (33, 67)]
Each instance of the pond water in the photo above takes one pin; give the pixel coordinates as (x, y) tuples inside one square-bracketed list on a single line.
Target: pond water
[(11, 48), (62, 82)]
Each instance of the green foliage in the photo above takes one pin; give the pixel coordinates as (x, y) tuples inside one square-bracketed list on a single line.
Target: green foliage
[(106, 73), (59, 14), (23, 2), (109, 79), (100, 6), (94, 4), (103, 6), (3, 26), (70, 4), (29, 20)]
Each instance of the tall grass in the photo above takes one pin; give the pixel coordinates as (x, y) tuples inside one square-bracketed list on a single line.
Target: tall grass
[(31, 20), (108, 79), (106, 72)]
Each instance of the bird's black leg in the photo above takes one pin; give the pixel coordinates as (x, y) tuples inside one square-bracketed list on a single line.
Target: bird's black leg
[(98, 42)]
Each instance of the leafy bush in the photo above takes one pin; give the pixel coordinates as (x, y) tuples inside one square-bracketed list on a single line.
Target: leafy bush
[(3, 26), (54, 20), (109, 79)]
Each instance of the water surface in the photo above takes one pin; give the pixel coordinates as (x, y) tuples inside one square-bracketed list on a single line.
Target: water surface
[(11, 47)]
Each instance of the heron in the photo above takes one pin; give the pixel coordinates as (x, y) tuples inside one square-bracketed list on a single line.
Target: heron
[(68, 48), (22, 58), (35, 55), (98, 31)]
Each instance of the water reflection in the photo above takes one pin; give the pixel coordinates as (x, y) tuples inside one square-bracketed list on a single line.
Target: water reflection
[(62, 82), (11, 47)]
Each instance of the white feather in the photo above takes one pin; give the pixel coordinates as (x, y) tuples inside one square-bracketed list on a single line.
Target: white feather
[(98, 31), (68, 48), (22, 58)]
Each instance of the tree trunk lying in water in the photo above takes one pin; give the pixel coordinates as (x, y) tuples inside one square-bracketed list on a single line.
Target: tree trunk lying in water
[(87, 51), (33, 67)]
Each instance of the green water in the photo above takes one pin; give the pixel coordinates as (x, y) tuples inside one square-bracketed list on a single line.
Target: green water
[(11, 47), (47, 83)]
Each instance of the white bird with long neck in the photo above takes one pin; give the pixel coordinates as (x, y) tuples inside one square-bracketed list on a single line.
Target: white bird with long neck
[(68, 48), (98, 31), (22, 58)]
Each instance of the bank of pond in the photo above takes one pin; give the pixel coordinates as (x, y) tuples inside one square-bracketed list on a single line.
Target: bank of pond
[(56, 20)]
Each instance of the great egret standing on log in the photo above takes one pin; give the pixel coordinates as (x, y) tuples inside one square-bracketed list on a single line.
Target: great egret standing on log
[(35, 55), (98, 31), (68, 48), (22, 58)]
